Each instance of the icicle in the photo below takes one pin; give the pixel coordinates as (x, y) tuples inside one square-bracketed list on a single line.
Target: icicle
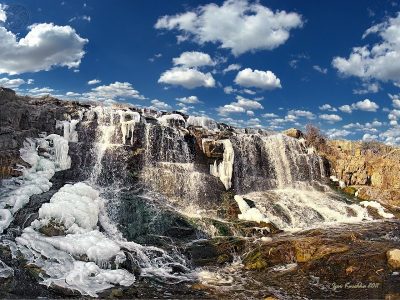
[(224, 170)]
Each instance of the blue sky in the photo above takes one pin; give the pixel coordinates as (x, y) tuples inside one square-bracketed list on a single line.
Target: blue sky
[(267, 64)]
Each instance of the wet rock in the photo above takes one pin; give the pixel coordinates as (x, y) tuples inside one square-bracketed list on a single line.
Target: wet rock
[(309, 249), (214, 251), (213, 149), (393, 258), (52, 229)]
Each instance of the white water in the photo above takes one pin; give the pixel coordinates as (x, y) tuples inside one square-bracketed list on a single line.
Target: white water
[(224, 169)]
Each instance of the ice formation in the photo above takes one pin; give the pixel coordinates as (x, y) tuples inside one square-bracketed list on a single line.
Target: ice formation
[(69, 129), (166, 120), (224, 170), (128, 119), (5, 271), (204, 122), (36, 179), (249, 213)]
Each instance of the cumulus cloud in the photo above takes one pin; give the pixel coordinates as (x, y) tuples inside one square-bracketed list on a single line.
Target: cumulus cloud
[(232, 67), (320, 69), (45, 46), (240, 106), (189, 100), (369, 137), (193, 59), (237, 25), (157, 104), (11, 83), (113, 91), (93, 81), (186, 77), (364, 105), (270, 115), (265, 80), (294, 114), (346, 108), (381, 61), (331, 118), (367, 88), (337, 133), (327, 107), (3, 15), (395, 100)]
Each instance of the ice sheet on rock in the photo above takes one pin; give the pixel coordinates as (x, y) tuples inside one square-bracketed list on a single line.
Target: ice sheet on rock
[(249, 213), (35, 180), (166, 120), (204, 122), (224, 169), (73, 204), (5, 219), (5, 271)]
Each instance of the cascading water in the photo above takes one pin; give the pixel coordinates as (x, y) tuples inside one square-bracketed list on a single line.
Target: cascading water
[(284, 179)]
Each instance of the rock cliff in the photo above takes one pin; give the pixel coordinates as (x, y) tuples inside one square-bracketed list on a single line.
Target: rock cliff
[(373, 169)]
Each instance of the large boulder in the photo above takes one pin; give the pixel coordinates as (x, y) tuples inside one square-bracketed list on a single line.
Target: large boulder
[(393, 258), (294, 133)]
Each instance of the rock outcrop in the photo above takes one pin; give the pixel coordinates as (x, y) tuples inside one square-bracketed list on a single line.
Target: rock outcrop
[(373, 169), (24, 117)]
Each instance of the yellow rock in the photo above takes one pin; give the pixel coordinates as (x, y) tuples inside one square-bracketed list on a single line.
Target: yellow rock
[(393, 258)]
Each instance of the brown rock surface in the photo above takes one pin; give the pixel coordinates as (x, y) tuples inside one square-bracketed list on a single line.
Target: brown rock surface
[(373, 168)]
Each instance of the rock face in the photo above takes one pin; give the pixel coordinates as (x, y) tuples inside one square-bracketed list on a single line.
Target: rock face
[(25, 117), (372, 168)]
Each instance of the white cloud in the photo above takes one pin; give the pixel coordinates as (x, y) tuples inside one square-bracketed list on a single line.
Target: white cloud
[(270, 115), (193, 59), (369, 137), (113, 91), (93, 81), (232, 67), (11, 83), (320, 69), (84, 18), (3, 15), (346, 108), (395, 100), (229, 90), (157, 104), (381, 61), (39, 92), (186, 77), (259, 79), (331, 118), (250, 113), (236, 25), (301, 113), (391, 136), (367, 88), (72, 94), (189, 100), (240, 106), (327, 107), (364, 105), (337, 133), (45, 46)]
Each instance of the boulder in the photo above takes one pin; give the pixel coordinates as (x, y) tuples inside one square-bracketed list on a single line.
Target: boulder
[(294, 133), (393, 258)]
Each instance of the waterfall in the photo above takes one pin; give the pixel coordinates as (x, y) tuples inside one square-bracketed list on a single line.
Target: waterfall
[(285, 181)]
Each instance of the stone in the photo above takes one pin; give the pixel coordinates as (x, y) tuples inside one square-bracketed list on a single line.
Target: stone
[(213, 149), (294, 133), (393, 258)]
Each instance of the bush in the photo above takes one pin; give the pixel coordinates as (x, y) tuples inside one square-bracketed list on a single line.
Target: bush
[(315, 138)]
